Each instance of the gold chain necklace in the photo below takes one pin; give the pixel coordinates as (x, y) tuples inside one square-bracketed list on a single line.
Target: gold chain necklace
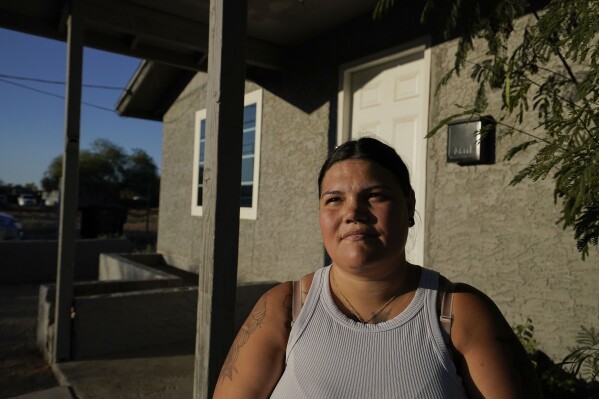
[(354, 311)]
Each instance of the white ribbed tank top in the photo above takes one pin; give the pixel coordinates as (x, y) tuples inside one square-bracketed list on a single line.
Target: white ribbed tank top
[(330, 355)]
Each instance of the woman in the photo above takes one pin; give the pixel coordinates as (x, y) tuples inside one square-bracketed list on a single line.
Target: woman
[(369, 327)]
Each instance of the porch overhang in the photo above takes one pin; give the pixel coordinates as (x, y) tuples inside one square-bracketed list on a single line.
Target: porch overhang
[(176, 32), (152, 90), (172, 37)]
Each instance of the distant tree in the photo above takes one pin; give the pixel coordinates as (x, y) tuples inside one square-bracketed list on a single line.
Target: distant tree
[(140, 177), (101, 172), (31, 187), (550, 70), (108, 174), (114, 158), (51, 178)]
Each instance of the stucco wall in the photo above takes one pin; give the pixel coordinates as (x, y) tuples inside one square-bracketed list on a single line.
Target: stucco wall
[(284, 241), (504, 239), (298, 127), (479, 230)]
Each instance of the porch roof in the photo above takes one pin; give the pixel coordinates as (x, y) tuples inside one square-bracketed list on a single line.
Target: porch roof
[(173, 36), (176, 32)]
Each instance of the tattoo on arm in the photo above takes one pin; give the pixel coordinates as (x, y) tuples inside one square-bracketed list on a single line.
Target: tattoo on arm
[(252, 323)]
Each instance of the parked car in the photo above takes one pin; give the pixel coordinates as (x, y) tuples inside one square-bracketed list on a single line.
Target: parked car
[(27, 199), (50, 198), (10, 227), (52, 202)]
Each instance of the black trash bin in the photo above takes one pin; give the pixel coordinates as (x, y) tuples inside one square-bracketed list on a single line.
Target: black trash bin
[(104, 220)]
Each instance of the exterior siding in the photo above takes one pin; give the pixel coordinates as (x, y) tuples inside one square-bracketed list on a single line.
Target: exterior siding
[(284, 241), (501, 239), (178, 231)]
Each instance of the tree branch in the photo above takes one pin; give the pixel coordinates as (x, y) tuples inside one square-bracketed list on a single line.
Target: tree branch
[(559, 54)]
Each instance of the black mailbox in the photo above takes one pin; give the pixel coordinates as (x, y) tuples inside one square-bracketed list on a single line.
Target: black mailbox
[(466, 145)]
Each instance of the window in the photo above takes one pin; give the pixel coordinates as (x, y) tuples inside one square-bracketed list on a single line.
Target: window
[(250, 157)]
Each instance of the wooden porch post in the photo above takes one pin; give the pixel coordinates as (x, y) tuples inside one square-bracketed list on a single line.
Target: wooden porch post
[(69, 188), (221, 193)]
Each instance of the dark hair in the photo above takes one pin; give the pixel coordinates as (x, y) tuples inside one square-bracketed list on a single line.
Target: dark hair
[(369, 149)]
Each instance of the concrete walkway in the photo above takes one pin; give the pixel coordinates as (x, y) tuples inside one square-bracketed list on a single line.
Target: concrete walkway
[(167, 377), (22, 366)]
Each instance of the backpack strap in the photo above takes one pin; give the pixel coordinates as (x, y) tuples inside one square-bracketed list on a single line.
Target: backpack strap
[(446, 315), (296, 302)]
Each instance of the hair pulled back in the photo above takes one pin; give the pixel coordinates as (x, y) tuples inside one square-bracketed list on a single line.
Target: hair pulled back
[(369, 149)]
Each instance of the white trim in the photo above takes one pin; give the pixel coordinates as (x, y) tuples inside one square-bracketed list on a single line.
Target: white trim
[(344, 108), (254, 97), (195, 209)]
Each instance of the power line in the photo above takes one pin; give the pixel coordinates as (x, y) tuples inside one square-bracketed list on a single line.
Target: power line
[(58, 82), (54, 95)]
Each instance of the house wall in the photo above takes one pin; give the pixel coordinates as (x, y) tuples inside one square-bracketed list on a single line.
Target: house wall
[(284, 241), (479, 230), (503, 239), (298, 128)]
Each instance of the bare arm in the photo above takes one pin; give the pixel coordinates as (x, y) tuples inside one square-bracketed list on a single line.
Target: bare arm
[(257, 357), (490, 358)]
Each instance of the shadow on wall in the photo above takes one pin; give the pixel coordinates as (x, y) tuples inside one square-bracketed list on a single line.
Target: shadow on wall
[(310, 77)]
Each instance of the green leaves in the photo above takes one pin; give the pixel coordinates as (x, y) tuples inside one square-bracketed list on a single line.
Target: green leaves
[(107, 174), (576, 376), (381, 7), (519, 148), (583, 359), (550, 67), (526, 335)]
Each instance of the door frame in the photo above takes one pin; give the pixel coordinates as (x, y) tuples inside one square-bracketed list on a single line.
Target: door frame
[(344, 114)]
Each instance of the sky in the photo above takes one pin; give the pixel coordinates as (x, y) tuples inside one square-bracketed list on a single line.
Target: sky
[(32, 123)]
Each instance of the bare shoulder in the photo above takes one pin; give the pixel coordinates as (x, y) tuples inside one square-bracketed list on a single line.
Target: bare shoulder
[(256, 358), (491, 359), (476, 318), (277, 300), (279, 291), (273, 309), (467, 295)]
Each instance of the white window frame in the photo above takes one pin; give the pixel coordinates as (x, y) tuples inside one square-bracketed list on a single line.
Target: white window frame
[(254, 97)]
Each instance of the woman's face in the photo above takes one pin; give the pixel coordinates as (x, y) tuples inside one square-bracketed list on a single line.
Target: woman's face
[(364, 215)]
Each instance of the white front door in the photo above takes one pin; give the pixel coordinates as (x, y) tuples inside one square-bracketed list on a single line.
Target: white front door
[(388, 98)]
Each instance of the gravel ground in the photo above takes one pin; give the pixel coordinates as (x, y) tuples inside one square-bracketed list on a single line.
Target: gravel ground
[(22, 367)]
